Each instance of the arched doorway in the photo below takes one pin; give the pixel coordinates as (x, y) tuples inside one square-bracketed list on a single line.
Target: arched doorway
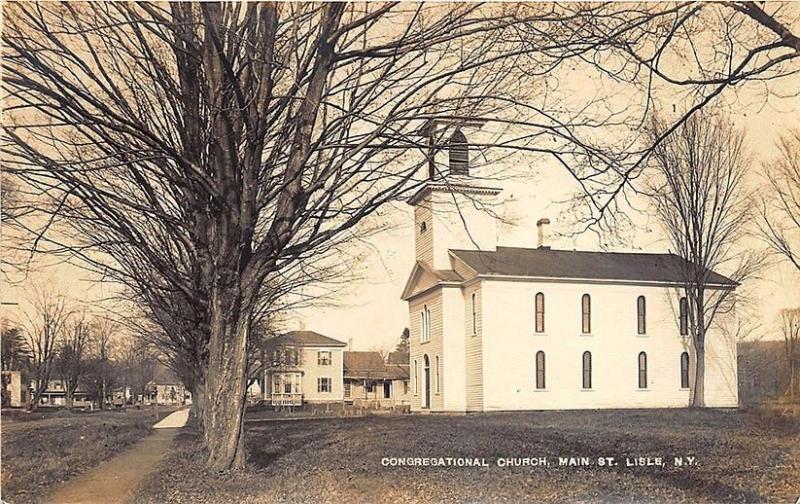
[(427, 382)]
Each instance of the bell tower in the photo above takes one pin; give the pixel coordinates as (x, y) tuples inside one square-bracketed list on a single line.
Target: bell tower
[(453, 210)]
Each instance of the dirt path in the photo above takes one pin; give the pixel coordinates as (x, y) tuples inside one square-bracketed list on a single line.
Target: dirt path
[(116, 480)]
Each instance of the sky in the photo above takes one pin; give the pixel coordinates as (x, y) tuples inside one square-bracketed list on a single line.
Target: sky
[(369, 310)]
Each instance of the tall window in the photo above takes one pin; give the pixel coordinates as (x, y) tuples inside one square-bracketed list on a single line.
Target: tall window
[(683, 309), (416, 378), (685, 370), (437, 375), (642, 370), (641, 315), (540, 384), (587, 370), (474, 316), (425, 324), (539, 312), (323, 385), (586, 314), (324, 358)]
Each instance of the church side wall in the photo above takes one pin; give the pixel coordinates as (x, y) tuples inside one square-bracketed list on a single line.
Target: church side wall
[(510, 345)]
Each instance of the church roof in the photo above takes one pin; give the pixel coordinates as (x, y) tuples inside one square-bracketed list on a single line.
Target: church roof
[(307, 338), (574, 264)]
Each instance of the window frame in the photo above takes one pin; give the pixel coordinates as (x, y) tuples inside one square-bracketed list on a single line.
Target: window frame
[(586, 314), (474, 314), (541, 370), (641, 315), (416, 377), (683, 316), (425, 333), (328, 381), (321, 361), (586, 370), (685, 368), (539, 313), (641, 365), (438, 378)]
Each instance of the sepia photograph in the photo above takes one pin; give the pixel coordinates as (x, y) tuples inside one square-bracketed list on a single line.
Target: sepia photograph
[(402, 252)]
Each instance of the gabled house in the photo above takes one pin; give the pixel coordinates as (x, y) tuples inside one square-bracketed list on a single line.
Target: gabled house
[(373, 381), (303, 367), (55, 396)]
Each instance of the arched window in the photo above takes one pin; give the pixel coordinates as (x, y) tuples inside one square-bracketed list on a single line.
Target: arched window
[(685, 370), (474, 315), (683, 309), (642, 370), (641, 315), (425, 324), (438, 389), (459, 153), (587, 370), (586, 314), (539, 312), (540, 384), (423, 227)]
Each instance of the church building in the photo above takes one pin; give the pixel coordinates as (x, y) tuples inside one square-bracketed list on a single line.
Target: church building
[(505, 328)]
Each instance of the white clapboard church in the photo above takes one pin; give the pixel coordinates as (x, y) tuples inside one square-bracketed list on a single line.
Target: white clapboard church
[(505, 328)]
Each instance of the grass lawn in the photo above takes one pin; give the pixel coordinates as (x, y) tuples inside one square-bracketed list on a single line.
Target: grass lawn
[(740, 457), (41, 449)]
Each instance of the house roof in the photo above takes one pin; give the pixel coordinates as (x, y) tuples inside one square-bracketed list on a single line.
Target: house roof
[(370, 365), (397, 358), (550, 263), (307, 338)]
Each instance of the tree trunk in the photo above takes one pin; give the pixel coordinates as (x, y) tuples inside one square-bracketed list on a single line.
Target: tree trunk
[(699, 393), (198, 404), (226, 377), (68, 397), (41, 386)]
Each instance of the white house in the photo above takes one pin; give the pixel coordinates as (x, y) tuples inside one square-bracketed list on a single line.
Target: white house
[(504, 328), (303, 367)]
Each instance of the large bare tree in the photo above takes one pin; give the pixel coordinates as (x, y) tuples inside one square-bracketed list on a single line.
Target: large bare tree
[(779, 211), (72, 362), (44, 328), (704, 207), (206, 148)]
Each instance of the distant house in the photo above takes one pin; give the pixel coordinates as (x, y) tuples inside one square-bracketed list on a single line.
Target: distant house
[(303, 367), (15, 394), (166, 388), (55, 396), (373, 381)]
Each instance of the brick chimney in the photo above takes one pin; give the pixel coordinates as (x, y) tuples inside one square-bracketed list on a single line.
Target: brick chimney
[(542, 232)]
